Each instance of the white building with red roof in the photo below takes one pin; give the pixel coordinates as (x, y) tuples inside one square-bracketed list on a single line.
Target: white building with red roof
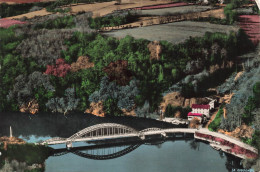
[(191, 115), (200, 109)]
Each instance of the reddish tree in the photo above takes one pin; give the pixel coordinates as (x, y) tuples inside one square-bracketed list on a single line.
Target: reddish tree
[(60, 69), (117, 71)]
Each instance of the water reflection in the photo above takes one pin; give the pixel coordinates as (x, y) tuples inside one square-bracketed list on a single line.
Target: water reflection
[(58, 125), (175, 154)]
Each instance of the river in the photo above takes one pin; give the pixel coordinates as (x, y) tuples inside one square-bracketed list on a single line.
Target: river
[(180, 155)]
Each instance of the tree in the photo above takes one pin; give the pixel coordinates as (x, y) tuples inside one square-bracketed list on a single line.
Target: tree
[(256, 91), (60, 69), (121, 96), (63, 104), (144, 110), (117, 71), (29, 87)]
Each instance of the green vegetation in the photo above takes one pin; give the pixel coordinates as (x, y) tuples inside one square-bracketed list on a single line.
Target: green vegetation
[(253, 102), (153, 76), (7, 10), (213, 20), (29, 153), (214, 125), (12, 64), (59, 10), (171, 111), (256, 10), (36, 170), (58, 23), (256, 139), (247, 140), (111, 21), (230, 13)]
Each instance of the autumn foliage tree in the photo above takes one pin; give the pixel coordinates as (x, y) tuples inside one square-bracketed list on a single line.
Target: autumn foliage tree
[(117, 71), (60, 69)]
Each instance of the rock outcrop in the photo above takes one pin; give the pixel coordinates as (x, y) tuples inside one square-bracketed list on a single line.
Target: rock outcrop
[(224, 65), (31, 107), (175, 99), (96, 109), (155, 49), (242, 131), (129, 113), (81, 63), (10, 140)]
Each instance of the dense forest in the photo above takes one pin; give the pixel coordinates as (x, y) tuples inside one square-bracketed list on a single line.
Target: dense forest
[(58, 88)]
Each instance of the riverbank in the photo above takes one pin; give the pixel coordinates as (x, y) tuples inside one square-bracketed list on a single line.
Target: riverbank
[(26, 156), (11, 140)]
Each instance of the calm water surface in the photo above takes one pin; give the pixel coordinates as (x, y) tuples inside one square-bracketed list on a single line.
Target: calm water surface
[(173, 155)]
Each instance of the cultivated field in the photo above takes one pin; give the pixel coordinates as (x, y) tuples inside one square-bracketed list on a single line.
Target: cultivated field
[(173, 32), (176, 10), (251, 25), (98, 9), (23, 1)]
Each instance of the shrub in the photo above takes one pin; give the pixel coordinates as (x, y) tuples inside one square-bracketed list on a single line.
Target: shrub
[(110, 21), (58, 23), (171, 111), (214, 125)]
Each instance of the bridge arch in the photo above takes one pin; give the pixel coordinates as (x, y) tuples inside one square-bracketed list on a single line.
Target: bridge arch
[(107, 156), (105, 129)]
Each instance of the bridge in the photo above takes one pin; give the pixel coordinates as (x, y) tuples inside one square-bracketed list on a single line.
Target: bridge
[(109, 131)]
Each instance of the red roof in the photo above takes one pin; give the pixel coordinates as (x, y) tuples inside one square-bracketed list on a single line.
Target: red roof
[(196, 106), (195, 114)]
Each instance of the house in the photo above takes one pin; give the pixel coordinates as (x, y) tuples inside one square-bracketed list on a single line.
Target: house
[(212, 102), (203, 109), (191, 116)]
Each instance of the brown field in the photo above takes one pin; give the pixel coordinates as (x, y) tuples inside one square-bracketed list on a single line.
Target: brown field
[(98, 9)]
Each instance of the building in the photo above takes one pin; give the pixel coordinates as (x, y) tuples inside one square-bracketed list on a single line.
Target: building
[(201, 109), (191, 116), (212, 102)]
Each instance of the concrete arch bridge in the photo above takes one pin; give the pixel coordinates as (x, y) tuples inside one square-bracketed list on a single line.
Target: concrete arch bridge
[(109, 131)]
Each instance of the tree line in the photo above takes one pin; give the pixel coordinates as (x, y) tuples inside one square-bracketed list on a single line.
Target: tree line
[(152, 76)]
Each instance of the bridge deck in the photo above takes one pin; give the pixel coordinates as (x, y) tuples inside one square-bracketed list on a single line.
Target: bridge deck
[(109, 131), (147, 133), (228, 138)]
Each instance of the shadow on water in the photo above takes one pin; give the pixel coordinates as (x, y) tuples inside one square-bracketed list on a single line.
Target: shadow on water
[(56, 125)]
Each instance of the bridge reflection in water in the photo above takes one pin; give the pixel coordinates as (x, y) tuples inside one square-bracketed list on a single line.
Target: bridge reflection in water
[(111, 131), (111, 140), (114, 149)]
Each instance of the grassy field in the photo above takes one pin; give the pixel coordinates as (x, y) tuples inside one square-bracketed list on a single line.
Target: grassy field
[(173, 32), (176, 10)]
